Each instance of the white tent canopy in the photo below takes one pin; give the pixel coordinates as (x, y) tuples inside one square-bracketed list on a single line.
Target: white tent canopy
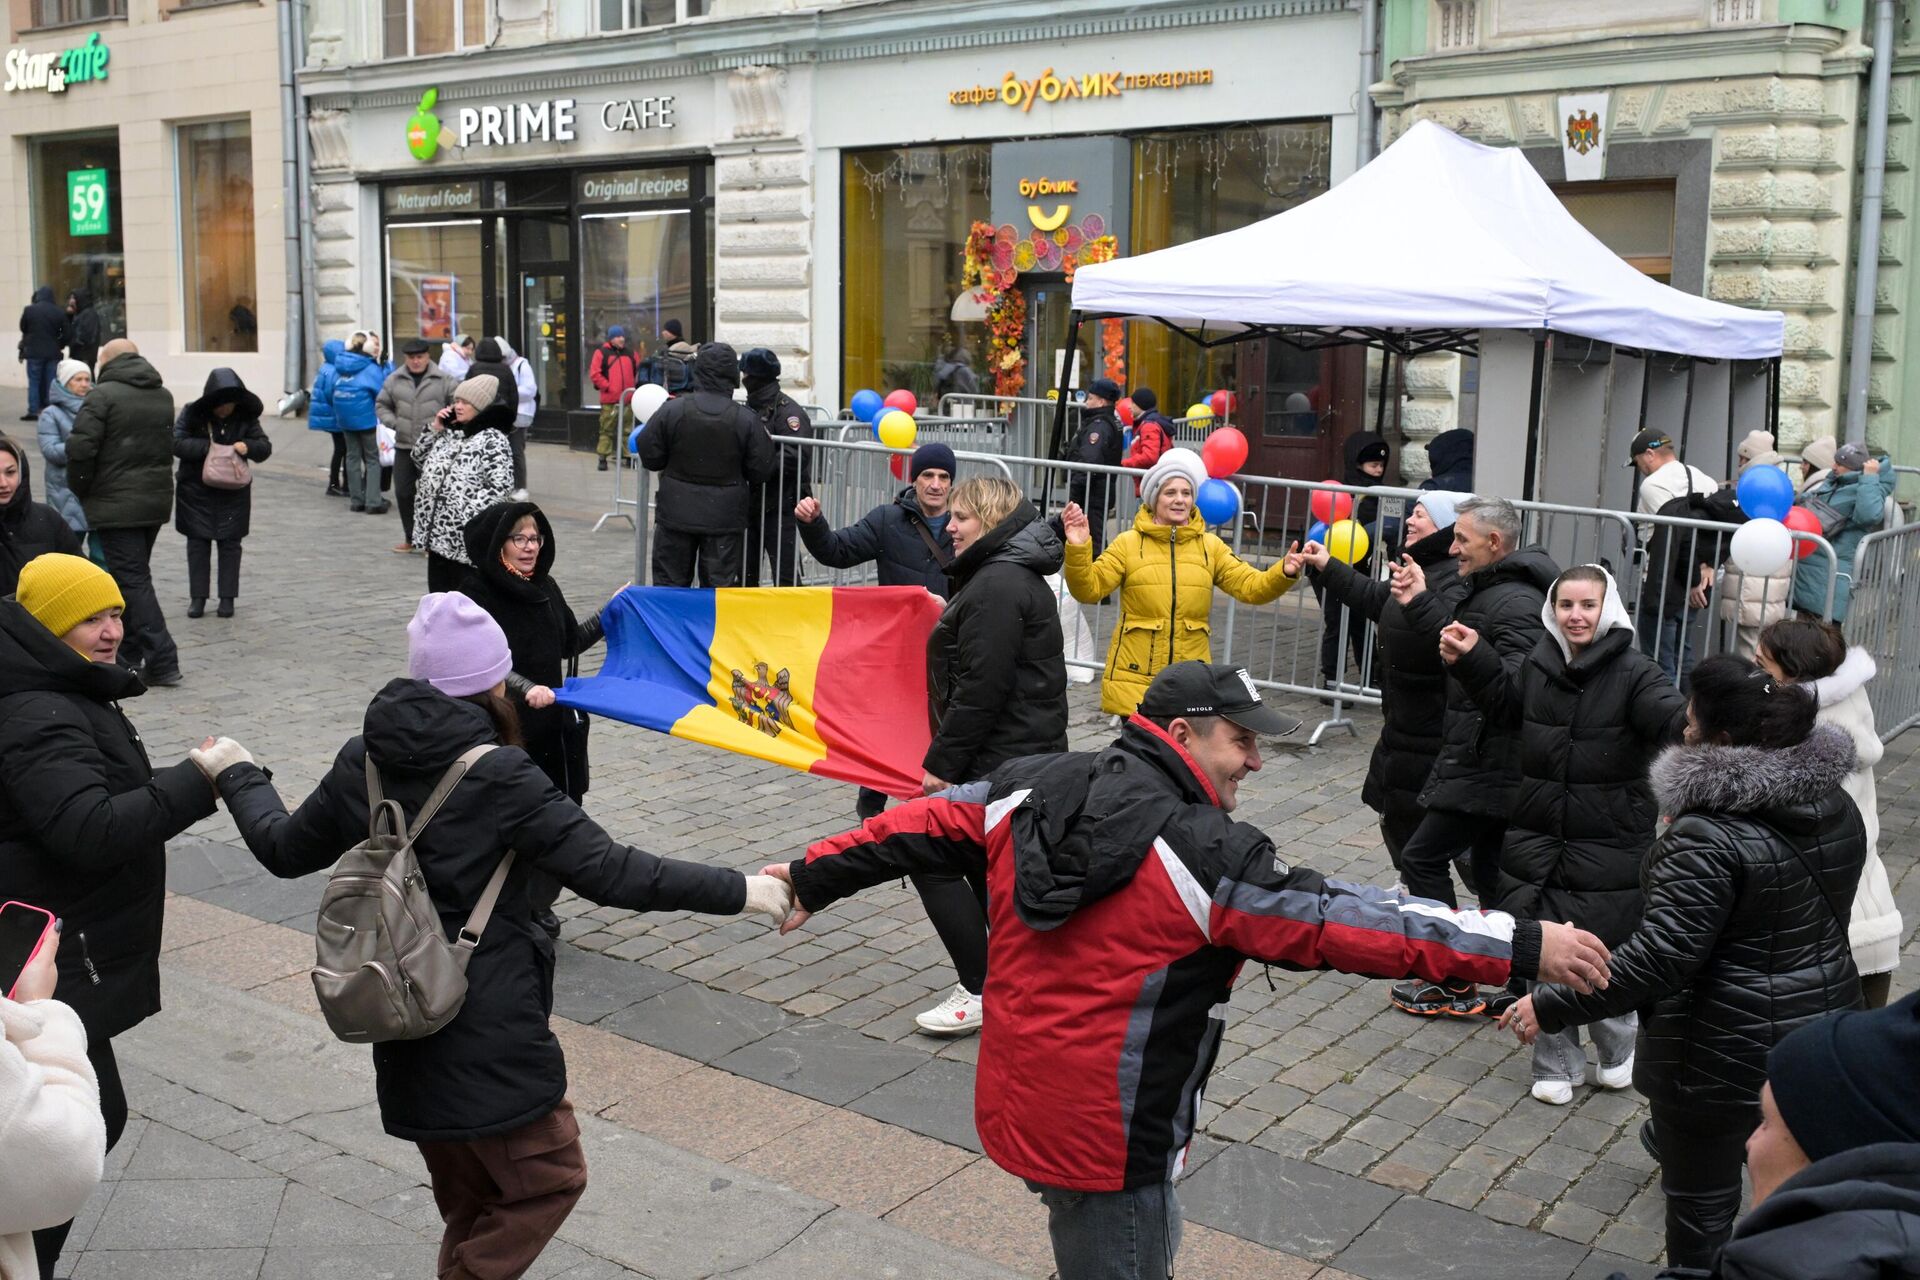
[(1437, 233)]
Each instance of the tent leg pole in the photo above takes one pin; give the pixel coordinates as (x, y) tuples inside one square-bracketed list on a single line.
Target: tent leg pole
[(1059, 442), (1686, 408), (1646, 387), (1380, 400), (1773, 397), (1534, 399)]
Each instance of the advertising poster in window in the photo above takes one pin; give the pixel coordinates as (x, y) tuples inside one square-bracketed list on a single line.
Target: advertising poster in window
[(436, 308)]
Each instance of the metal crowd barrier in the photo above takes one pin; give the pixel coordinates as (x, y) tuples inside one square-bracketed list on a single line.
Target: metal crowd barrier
[(1885, 620), (622, 428)]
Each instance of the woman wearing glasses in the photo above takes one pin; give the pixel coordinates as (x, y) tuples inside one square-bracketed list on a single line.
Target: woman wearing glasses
[(511, 547)]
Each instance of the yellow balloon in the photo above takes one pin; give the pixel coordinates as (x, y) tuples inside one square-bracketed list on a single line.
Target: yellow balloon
[(1347, 541), (897, 429), (1199, 415)]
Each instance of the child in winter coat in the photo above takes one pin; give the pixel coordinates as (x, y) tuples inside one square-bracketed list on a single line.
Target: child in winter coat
[(321, 415), (1804, 651), (1593, 712)]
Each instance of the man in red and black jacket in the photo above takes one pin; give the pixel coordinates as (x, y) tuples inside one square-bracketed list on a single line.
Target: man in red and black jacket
[(1122, 902)]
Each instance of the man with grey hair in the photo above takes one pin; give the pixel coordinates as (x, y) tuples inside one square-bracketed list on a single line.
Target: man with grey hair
[(1475, 776)]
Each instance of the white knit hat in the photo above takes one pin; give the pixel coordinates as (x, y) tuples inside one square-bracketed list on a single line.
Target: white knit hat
[(1174, 462), (64, 371)]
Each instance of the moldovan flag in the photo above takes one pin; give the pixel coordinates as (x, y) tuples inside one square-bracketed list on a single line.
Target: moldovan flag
[(827, 680)]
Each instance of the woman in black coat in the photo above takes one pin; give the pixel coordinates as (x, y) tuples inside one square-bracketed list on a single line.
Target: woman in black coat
[(225, 413), (1592, 712), (1743, 936), (997, 684), (495, 1071), (27, 528), (84, 816)]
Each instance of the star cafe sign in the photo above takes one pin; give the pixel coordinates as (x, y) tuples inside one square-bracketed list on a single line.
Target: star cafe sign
[(53, 72), (1047, 87)]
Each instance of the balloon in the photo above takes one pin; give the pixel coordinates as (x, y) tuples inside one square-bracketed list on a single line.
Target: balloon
[(1223, 403), (866, 405), (1801, 520), (898, 465), (1328, 505), (1200, 415), (1219, 502), (1761, 547), (897, 429), (647, 401), (1225, 452), (1347, 541), (1765, 493), (1317, 532), (903, 400), (633, 441), (1126, 410)]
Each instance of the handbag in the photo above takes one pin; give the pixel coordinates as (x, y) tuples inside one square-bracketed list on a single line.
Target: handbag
[(224, 468), (1832, 519)]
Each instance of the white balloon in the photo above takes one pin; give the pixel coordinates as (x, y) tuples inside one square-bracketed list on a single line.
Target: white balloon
[(1762, 547), (646, 400)]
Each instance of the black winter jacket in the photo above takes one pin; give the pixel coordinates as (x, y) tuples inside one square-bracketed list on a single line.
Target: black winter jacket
[(1450, 454), (711, 449), (996, 662), (43, 327), (784, 418), (1477, 770), (201, 512), (496, 1066), (1744, 938), (542, 634), (1100, 439), (83, 330), (1583, 816), (122, 447), (1413, 681), (28, 528), (890, 535), (85, 819)]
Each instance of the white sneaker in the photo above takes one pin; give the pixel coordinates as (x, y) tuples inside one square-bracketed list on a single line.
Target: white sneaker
[(957, 1015), (1620, 1077), (1555, 1093)]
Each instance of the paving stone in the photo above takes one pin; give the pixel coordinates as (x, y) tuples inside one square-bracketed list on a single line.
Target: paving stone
[(189, 1213), (697, 1023), (347, 1258), (1289, 1205), (1575, 1222), (353, 1180), (165, 1152), (935, 1099), (312, 1219), (1639, 1243), (821, 1061), (1404, 1242), (169, 1264), (588, 987)]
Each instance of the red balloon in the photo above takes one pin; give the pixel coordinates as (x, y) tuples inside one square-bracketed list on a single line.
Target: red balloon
[(1329, 506), (903, 399), (1127, 410), (1223, 403), (898, 464), (1801, 520), (1224, 453)]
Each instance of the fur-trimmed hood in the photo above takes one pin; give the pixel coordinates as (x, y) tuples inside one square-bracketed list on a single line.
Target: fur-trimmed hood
[(1715, 779), (1853, 673)]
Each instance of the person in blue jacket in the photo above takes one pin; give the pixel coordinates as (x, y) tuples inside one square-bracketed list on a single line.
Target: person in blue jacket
[(1856, 491), (320, 415), (362, 374)]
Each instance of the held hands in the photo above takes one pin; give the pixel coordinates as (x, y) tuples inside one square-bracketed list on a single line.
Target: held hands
[(1519, 1019), (38, 979), (1309, 554), (931, 786), (1572, 957), (540, 697), (1456, 640), (798, 915), (1409, 580), (215, 756), (770, 895), (1073, 521), (806, 511)]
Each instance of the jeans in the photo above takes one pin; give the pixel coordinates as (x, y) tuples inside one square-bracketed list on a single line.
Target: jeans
[(48, 1241), (199, 562), (39, 384), (957, 907), (1670, 643), (1557, 1055), (1441, 835), (405, 477), (1700, 1158), (362, 467), (1113, 1235), (129, 557), (675, 551)]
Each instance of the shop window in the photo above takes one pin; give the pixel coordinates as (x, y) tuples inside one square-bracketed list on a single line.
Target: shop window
[(416, 28), (216, 236), (1634, 219), (1196, 183), (436, 278), (622, 15), (76, 224), (636, 270), (64, 13), (906, 212)]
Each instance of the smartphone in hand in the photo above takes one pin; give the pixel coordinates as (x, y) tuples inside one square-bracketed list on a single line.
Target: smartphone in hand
[(24, 929)]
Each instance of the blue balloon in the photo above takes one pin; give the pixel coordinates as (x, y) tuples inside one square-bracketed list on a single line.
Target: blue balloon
[(1219, 502), (867, 405), (1318, 532), (633, 441), (1765, 493)]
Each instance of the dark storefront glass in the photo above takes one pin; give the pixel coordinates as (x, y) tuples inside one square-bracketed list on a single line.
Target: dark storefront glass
[(76, 231)]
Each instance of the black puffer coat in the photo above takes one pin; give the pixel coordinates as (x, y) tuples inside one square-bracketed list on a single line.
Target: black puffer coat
[(1745, 933), (785, 419), (895, 536), (541, 631), (122, 447), (496, 1066), (711, 449), (996, 662), (43, 327), (1450, 454), (201, 512), (1583, 816), (28, 528), (1852, 1216), (85, 819), (1413, 681), (1478, 769)]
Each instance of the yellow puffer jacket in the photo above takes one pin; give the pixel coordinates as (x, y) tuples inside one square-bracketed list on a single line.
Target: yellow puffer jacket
[(1166, 579)]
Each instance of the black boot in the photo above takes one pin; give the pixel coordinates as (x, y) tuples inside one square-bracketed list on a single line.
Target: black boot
[(602, 466), (226, 607), (197, 607)]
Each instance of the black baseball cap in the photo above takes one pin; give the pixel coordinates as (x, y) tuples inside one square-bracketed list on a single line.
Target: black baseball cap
[(1188, 689), (414, 347), (1651, 438)]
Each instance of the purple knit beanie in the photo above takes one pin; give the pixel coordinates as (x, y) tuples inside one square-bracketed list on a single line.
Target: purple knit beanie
[(456, 646)]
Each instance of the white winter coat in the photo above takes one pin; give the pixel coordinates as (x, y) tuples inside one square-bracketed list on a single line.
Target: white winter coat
[(52, 1138), (1875, 929)]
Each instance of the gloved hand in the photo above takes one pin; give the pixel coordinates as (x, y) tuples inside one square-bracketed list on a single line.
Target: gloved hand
[(769, 897), (216, 755)]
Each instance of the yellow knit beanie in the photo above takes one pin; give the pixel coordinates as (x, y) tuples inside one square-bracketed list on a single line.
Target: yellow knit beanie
[(63, 591)]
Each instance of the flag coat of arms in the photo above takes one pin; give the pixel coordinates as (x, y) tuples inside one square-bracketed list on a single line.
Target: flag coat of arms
[(826, 680)]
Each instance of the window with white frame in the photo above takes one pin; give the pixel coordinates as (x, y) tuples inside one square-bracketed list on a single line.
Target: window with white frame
[(621, 15), (416, 28)]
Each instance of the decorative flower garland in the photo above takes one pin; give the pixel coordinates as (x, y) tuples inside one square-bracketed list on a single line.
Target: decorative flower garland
[(991, 266)]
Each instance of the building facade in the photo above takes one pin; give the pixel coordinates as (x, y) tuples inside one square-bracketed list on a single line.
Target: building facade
[(129, 180)]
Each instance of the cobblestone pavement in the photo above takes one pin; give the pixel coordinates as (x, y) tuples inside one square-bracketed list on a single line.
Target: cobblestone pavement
[(1335, 1129)]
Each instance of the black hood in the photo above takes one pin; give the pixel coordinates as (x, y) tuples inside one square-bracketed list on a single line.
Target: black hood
[(1358, 443), (133, 370), (82, 299), (486, 534), (716, 367), (225, 387), (411, 727), (1433, 548), (1531, 565), (17, 506), (1866, 1200), (1023, 538), (43, 294), (1451, 451), (33, 659)]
